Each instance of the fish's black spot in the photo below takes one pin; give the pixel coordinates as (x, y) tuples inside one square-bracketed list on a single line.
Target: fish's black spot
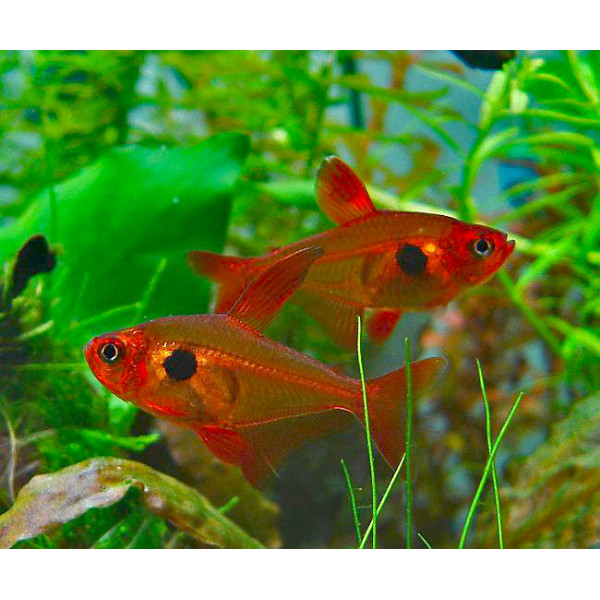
[(411, 259), (180, 365)]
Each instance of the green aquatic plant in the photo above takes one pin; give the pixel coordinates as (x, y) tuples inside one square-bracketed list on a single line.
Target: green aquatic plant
[(127, 160)]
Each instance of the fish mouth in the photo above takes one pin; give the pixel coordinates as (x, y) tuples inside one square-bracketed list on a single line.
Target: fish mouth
[(510, 246), (88, 351)]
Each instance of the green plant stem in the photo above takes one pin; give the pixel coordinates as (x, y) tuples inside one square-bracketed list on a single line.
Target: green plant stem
[(363, 542), (409, 416), (427, 544), (12, 458), (368, 432), (488, 429), (229, 505), (142, 306), (486, 471), (536, 322), (352, 497)]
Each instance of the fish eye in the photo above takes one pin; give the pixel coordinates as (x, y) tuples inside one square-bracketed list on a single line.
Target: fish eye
[(109, 353), (482, 247)]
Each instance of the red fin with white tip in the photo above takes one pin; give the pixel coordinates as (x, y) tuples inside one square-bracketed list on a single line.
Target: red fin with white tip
[(341, 195)]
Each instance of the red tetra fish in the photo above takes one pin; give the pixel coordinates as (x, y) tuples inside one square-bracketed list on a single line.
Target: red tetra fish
[(384, 260), (250, 399)]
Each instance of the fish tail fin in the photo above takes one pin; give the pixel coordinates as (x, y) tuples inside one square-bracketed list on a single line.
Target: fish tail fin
[(231, 273), (386, 398)]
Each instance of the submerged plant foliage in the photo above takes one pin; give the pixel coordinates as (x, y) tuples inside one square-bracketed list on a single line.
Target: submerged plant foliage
[(123, 161)]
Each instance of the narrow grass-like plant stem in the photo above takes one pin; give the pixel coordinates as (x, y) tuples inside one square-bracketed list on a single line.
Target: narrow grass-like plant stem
[(367, 431), (425, 542), (352, 496), (535, 321), (384, 498), (142, 306), (486, 472), (488, 429), (409, 413)]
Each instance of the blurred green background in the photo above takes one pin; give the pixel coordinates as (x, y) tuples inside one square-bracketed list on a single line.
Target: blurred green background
[(125, 160)]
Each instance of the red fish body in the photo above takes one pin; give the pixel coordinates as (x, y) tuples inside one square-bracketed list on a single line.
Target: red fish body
[(383, 260), (250, 399)]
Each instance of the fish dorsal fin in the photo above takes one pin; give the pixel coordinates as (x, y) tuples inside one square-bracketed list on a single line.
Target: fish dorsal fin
[(341, 195), (265, 295)]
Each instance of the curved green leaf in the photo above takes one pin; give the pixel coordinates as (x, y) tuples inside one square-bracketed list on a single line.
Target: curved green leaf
[(126, 221)]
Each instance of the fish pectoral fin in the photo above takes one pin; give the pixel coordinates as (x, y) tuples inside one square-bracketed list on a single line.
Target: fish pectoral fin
[(341, 195), (337, 317), (265, 295), (270, 443), (226, 444), (381, 323)]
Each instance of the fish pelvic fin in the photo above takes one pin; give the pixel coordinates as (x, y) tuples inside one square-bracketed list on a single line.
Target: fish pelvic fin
[(226, 444), (231, 273), (381, 323), (341, 195), (386, 397), (265, 295)]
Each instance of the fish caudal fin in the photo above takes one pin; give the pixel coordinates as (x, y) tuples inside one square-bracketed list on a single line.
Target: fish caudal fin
[(386, 401), (263, 298), (341, 195), (232, 274)]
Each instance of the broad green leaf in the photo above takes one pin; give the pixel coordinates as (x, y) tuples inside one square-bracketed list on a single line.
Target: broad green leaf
[(49, 500), (125, 222), (298, 192)]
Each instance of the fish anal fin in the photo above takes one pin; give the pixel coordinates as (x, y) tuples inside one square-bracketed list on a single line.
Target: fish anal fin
[(263, 298), (387, 404), (381, 323), (336, 316), (341, 195), (230, 273), (226, 444), (271, 443)]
